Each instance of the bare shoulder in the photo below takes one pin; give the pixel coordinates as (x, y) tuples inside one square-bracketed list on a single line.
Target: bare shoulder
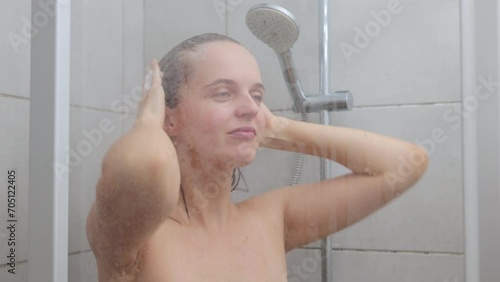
[(265, 204), (268, 208)]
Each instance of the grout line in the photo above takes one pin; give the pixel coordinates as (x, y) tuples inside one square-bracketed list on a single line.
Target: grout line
[(79, 252), (389, 251), (26, 261), (409, 105), (14, 97), (284, 109), (280, 110), (387, 106), (17, 262), (100, 110), (2, 95)]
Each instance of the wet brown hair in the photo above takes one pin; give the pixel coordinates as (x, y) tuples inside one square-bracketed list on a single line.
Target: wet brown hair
[(178, 64)]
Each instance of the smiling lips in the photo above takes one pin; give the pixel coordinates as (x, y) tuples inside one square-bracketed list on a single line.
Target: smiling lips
[(245, 132)]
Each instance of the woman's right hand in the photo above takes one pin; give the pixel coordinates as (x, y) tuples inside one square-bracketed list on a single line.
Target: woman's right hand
[(152, 105)]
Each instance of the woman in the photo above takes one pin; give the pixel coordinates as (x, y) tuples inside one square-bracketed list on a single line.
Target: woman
[(163, 210)]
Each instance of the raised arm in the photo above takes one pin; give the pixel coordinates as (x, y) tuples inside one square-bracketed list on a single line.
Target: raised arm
[(382, 168), (138, 186)]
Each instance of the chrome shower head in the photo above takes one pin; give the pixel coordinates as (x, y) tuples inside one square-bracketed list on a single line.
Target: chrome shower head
[(273, 25), (276, 27)]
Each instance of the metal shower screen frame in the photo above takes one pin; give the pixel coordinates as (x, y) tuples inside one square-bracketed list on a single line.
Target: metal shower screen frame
[(49, 140)]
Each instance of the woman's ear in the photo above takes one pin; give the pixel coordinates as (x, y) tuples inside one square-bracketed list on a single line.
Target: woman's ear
[(169, 122)]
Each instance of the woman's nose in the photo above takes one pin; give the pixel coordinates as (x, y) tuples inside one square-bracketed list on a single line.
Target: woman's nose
[(247, 106)]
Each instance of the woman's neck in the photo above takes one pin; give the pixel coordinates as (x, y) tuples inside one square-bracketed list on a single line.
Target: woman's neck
[(205, 194)]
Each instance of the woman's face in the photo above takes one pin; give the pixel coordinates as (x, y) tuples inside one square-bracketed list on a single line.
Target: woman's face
[(219, 117)]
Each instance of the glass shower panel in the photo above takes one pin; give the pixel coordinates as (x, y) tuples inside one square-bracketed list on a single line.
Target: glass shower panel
[(404, 74)]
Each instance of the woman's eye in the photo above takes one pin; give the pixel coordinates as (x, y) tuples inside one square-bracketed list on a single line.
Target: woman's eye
[(222, 95), (257, 98)]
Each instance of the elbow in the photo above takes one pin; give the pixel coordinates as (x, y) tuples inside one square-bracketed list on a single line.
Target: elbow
[(419, 161), (410, 168), (413, 164)]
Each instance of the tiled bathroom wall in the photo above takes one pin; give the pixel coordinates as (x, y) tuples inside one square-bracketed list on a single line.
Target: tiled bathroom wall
[(14, 132), (107, 70), (405, 78)]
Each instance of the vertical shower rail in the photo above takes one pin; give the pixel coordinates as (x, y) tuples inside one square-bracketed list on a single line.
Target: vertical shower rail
[(469, 135), (49, 140), (324, 116), (480, 26)]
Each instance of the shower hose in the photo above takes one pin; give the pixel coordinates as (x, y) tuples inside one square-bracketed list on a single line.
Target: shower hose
[(299, 162)]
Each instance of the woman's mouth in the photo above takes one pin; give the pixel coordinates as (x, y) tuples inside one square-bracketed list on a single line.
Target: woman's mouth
[(245, 132)]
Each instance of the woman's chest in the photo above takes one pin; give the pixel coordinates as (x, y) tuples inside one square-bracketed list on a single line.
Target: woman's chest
[(250, 262), (254, 252)]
